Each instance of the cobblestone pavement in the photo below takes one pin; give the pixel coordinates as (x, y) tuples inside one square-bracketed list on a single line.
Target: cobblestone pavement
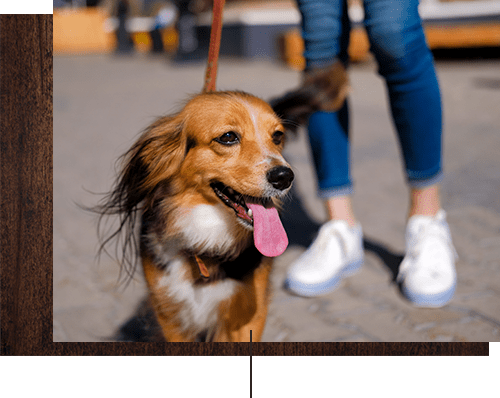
[(102, 102)]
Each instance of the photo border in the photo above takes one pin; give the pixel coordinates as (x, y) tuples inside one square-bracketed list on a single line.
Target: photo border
[(26, 223)]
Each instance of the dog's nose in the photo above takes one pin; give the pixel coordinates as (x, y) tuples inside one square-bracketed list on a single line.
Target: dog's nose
[(280, 177)]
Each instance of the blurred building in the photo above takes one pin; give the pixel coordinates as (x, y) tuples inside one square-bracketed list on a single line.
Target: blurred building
[(252, 28)]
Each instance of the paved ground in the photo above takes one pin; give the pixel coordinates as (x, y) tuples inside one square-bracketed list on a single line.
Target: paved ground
[(102, 102)]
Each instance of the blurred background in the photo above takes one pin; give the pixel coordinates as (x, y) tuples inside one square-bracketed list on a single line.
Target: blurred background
[(252, 28), (120, 64)]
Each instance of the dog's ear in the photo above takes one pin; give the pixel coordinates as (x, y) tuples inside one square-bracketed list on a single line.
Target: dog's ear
[(155, 158)]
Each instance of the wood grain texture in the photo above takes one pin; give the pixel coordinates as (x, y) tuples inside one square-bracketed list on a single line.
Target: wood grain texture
[(272, 349), (26, 181), (26, 222)]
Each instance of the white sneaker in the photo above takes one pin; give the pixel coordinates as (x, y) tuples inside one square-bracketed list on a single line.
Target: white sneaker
[(427, 274), (336, 252)]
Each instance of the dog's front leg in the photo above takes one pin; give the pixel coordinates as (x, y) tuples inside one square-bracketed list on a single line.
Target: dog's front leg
[(171, 331), (247, 309), (166, 311)]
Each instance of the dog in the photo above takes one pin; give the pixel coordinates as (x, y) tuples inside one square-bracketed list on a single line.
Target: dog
[(197, 199)]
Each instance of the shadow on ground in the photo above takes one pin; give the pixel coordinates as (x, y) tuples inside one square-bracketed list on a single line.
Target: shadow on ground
[(299, 226), (390, 259), (140, 327)]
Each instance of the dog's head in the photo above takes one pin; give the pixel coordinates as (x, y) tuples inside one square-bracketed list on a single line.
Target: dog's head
[(209, 176)]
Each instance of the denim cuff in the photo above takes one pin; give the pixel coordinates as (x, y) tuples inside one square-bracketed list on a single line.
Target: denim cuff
[(324, 63), (425, 182), (328, 193)]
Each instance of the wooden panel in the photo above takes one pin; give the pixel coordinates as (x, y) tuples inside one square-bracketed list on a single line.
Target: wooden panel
[(26, 182)]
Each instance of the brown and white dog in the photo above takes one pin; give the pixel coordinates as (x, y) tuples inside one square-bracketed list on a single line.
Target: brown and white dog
[(204, 186)]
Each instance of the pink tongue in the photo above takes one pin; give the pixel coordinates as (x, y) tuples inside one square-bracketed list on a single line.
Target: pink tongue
[(268, 232)]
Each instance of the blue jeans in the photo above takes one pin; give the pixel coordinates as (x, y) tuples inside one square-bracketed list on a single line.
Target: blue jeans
[(398, 43)]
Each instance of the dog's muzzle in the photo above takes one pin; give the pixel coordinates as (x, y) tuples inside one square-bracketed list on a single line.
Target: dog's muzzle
[(280, 177)]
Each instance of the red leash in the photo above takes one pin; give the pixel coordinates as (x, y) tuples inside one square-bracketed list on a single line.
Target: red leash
[(211, 76), (213, 51)]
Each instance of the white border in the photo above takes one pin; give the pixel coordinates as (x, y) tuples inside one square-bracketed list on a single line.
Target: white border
[(26, 6)]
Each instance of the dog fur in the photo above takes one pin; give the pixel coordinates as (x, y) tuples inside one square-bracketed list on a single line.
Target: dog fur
[(181, 199)]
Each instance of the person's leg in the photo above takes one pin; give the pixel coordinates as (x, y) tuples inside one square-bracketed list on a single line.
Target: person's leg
[(325, 29), (340, 208), (427, 274), (424, 201), (325, 26), (329, 141), (337, 251), (406, 63)]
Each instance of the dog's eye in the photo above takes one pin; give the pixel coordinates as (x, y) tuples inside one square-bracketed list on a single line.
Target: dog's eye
[(278, 137), (229, 138)]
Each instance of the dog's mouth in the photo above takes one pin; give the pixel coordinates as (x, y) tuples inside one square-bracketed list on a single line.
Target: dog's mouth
[(237, 201), (269, 235)]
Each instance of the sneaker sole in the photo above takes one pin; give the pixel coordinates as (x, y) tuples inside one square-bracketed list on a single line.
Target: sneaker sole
[(312, 290), (429, 300)]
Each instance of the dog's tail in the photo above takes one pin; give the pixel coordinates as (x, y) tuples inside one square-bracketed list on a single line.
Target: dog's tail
[(323, 89)]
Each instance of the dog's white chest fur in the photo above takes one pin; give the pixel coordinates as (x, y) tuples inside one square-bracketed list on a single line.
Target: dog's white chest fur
[(200, 302), (211, 229)]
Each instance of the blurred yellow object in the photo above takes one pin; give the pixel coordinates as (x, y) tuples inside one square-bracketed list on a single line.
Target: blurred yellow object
[(459, 36), (142, 41), (170, 39), (292, 48), (359, 46), (82, 31)]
